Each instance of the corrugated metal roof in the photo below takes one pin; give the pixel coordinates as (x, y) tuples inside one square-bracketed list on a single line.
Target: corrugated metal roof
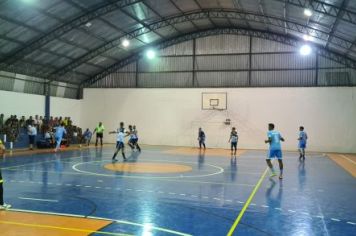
[(60, 36)]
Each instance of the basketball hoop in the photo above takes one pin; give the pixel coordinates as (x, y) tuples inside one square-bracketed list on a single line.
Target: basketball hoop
[(216, 107)]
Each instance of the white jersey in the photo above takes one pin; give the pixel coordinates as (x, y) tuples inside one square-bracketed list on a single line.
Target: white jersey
[(234, 137), (120, 137)]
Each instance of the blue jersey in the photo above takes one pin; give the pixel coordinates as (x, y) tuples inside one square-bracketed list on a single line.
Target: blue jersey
[(303, 137), (60, 131), (275, 138)]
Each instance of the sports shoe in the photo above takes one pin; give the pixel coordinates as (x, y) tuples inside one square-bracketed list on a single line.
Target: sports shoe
[(280, 176), (5, 206)]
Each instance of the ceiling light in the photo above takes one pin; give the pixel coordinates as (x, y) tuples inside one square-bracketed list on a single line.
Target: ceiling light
[(125, 43), (305, 50), (88, 24), (150, 53), (308, 12), (307, 37)]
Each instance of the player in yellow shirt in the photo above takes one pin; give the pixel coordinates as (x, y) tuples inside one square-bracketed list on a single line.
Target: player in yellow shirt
[(2, 148), (99, 130)]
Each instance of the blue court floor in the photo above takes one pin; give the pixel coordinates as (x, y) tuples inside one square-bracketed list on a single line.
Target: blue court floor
[(316, 197)]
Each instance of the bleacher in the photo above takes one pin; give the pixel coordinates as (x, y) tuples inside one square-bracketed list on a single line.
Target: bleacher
[(21, 142)]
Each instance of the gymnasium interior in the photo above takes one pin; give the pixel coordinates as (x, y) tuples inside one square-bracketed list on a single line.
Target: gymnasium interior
[(170, 68)]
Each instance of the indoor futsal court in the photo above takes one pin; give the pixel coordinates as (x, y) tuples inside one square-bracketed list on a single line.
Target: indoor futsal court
[(178, 117)]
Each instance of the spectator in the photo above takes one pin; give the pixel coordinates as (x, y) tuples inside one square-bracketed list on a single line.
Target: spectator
[(40, 123), (22, 122), (35, 122), (29, 121), (32, 132), (87, 136), (51, 122), (49, 137), (2, 148), (1, 120)]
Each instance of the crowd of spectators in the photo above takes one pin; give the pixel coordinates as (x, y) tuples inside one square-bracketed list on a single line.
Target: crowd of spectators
[(39, 126)]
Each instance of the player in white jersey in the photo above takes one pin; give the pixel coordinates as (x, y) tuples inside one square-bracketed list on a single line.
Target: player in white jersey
[(120, 141), (233, 139)]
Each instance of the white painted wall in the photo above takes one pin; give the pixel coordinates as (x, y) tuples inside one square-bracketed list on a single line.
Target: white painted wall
[(172, 116), (12, 103), (67, 107)]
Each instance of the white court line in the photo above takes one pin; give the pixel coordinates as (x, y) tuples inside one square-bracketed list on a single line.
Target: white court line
[(345, 157), (219, 170), (38, 199)]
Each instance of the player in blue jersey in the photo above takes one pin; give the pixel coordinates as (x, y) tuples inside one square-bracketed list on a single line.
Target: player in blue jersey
[(233, 139), (60, 132), (275, 150), (302, 142)]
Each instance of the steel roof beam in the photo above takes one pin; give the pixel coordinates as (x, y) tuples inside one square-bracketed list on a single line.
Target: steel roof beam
[(182, 12), (160, 16), (68, 26), (199, 15), (324, 8), (253, 33), (201, 8), (339, 16)]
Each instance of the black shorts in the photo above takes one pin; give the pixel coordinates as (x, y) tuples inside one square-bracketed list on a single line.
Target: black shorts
[(99, 135), (233, 144), (32, 139)]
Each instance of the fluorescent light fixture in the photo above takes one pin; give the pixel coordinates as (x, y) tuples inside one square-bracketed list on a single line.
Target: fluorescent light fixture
[(305, 50), (308, 12), (125, 43), (307, 37), (150, 53)]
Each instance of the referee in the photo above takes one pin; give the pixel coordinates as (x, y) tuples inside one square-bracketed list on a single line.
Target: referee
[(99, 130)]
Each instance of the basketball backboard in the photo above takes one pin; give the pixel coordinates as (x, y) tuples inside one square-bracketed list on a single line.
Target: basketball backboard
[(214, 101)]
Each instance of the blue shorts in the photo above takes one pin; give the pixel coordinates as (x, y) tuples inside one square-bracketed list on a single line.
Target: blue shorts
[(272, 153), (120, 145), (302, 145), (133, 140)]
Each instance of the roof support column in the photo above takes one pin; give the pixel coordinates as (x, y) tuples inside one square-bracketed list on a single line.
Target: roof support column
[(47, 93), (193, 69), (250, 62), (136, 73), (316, 69)]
